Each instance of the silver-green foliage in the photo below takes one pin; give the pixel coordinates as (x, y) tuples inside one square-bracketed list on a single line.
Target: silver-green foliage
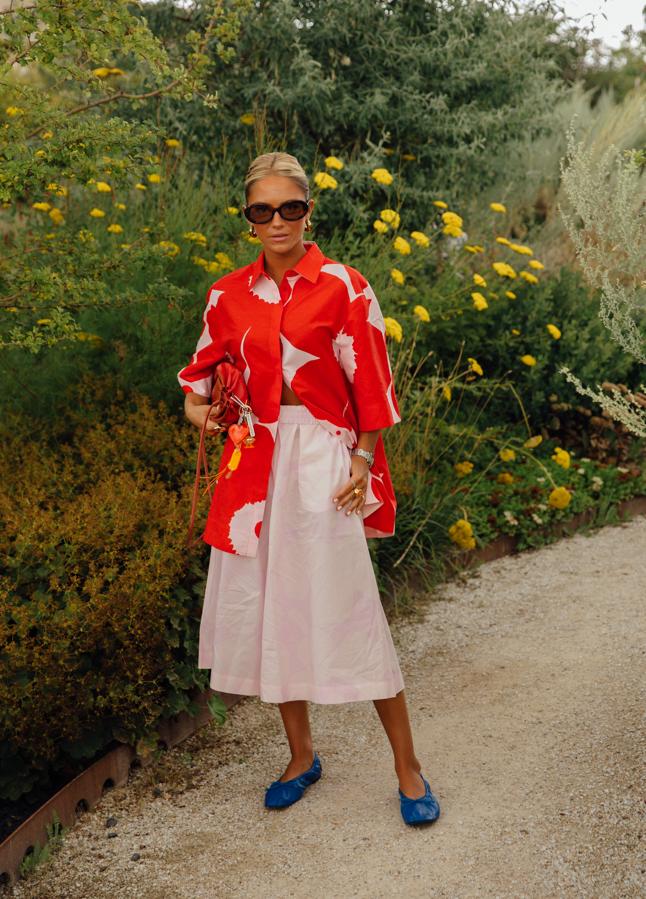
[(606, 220)]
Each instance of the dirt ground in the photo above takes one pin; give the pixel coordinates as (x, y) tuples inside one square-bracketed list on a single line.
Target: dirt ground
[(525, 686)]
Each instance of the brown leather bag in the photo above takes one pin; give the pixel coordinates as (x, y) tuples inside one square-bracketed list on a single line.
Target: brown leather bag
[(229, 406)]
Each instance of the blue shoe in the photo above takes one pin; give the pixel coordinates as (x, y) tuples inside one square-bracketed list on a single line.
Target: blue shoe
[(282, 793), (419, 811)]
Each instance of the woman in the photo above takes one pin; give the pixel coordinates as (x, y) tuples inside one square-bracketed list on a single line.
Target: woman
[(291, 609)]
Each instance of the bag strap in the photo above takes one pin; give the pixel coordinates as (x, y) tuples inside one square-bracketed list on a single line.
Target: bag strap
[(201, 462)]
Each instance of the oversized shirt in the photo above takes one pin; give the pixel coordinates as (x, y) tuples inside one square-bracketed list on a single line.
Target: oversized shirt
[(323, 333)]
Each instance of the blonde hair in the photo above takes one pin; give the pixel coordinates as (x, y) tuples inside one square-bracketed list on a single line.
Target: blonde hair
[(276, 164)]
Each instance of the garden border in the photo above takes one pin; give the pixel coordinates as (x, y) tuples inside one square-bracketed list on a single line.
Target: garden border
[(86, 789)]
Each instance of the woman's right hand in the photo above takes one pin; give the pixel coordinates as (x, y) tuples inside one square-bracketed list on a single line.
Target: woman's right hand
[(197, 412)]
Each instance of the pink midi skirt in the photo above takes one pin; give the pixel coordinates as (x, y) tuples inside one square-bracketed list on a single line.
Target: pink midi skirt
[(303, 619)]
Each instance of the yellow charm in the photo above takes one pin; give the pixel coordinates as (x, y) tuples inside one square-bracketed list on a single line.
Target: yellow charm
[(234, 461)]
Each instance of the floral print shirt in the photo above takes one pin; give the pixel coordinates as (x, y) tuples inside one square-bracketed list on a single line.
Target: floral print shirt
[(323, 333)]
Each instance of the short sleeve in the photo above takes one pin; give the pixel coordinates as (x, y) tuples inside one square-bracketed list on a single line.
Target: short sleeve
[(197, 376), (366, 362)]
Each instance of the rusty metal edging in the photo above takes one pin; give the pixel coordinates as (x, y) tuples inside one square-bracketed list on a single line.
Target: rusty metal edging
[(84, 791)]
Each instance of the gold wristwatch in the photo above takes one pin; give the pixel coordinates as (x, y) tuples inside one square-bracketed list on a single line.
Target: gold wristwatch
[(366, 454)]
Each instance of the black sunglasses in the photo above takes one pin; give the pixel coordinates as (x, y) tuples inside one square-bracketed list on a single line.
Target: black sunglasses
[(262, 213)]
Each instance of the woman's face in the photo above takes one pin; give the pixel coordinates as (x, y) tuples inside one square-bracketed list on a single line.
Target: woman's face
[(279, 235)]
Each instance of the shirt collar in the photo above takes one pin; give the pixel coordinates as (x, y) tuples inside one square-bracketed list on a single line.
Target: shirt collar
[(309, 265)]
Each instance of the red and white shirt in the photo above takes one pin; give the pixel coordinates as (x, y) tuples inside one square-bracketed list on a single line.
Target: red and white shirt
[(323, 332)]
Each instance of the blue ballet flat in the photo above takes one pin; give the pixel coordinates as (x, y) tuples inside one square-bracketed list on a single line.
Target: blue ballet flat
[(282, 793), (419, 811)]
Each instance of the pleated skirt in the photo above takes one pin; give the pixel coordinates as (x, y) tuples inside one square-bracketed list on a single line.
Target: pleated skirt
[(303, 618)]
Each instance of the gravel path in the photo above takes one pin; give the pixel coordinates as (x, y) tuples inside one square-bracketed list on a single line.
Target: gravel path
[(525, 685)]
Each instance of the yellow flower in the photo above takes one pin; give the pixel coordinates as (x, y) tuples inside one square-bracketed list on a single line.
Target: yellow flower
[(397, 276), (101, 72), (401, 245), (40, 153), (10, 308), (171, 248), (140, 186), (462, 533), (125, 246), (224, 260), (479, 280), (154, 178), (58, 189), (325, 181), (249, 237), (146, 229), (115, 229), (390, 216), (498, 207), (559, 498), (103, 187), (43, 206), (503, 241), (510, 294), (519, 248), (440, 204), (233, 210), (172, 142), (452, 230), (534, 263), (503, 269), (115, 71), (46, 135), (474, 366), (409, 157), (382, 176), (479, 301), (196, 237), (452, 218), (380, 226), (463, 468), (531, 279), (44, 321), (248, 118), (505, 477), (121, 206), (561, 457), (507, 455), (393, 329), (528, 359), (14, 110), (515, 331), (446, 393), (420, 238), (97, 213), (422, 313), (554, 331), (473, 248), (533, 442), (333, 162)]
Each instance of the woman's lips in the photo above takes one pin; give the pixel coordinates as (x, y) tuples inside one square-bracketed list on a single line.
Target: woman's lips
[(278, 236)]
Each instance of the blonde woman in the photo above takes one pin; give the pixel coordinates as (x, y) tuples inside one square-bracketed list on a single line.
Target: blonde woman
[(291, 609)]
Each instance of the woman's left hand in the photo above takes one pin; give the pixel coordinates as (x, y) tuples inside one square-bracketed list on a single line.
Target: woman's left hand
[(345, 498)]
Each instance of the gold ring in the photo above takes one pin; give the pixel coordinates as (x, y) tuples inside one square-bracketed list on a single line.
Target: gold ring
[(358, 491)]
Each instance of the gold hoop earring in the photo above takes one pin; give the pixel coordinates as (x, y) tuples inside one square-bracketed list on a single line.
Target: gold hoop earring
[(308, 225), (252, 231)]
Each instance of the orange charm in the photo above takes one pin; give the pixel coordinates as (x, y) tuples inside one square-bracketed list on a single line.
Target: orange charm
[(238, 433)]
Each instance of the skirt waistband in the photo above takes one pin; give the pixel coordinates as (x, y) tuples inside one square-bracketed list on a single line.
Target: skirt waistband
[(296, 415)]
